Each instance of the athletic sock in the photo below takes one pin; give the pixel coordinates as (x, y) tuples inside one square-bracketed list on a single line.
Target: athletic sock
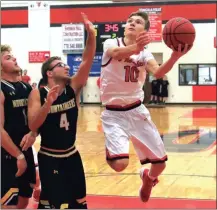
[(151, 177)]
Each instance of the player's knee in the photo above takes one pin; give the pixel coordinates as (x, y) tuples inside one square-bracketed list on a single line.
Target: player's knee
[(118, 165), (161, 166)]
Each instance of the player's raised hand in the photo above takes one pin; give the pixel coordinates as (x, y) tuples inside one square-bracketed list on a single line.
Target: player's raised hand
[(53, 94), (142, 40), (88, 25)]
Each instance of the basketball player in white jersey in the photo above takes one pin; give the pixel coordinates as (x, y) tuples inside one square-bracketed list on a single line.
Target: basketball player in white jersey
[(124, 65)]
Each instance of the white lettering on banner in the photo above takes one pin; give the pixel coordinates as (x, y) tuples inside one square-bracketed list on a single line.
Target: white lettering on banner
[(73, 37), (155, 19), (150, 10)]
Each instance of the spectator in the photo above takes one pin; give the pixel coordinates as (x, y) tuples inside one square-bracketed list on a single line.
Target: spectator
[(34, 85), (164, 90), (25, 77), (155, 89)]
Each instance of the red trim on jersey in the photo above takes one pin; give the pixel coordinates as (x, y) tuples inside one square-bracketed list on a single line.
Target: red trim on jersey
[(157, 160), (118, 156), (123, 108), (123, 41), (106, 64), (118, 42)]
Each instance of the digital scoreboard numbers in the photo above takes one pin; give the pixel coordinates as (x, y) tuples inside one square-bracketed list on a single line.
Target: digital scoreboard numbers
[(107, 31)]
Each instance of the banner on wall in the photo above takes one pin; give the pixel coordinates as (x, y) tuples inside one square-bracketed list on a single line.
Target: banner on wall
[(73, 38), (74, 61), (155, 19), (38, 56)]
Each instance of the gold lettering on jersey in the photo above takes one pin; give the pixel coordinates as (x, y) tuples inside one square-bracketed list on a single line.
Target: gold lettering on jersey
[(62, 107), (130, 60), (20, 103)]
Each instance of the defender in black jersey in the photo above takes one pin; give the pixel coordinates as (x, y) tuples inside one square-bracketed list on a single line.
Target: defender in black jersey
[(15, 190), (53, 112)]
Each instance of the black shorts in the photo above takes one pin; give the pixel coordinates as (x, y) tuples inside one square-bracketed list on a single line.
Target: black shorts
[(164, 94), (155, 91), (11, 186), (62, 179)]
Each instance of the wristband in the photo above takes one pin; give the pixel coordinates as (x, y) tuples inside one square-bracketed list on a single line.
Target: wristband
[(20, 157)]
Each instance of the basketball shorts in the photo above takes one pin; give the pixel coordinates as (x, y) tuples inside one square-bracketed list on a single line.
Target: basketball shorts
[(11, 186), (132, 122), (62, 179), (164, 94), (155, 91)]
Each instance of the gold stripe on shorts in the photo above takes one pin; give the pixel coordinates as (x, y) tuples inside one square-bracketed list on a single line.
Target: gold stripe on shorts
[(58, 154)]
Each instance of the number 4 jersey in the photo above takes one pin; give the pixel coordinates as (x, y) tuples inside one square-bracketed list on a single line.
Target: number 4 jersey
[(59, 128), (122, 80), (15, 109)]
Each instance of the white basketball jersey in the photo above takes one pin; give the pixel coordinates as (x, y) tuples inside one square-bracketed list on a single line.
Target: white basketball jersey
[(122, 81)]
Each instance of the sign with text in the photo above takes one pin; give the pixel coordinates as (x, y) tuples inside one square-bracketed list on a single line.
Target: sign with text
[(38, 56), (74, 61), (155, 19), (73, 37)]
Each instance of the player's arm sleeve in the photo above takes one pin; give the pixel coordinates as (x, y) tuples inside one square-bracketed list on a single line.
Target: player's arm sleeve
[(109, 44), (147, 56)]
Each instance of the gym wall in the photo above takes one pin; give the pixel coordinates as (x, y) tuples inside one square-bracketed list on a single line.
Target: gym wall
[(41, 31)]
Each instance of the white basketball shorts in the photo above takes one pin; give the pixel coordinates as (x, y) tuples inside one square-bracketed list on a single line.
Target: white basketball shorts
[(135, 124)]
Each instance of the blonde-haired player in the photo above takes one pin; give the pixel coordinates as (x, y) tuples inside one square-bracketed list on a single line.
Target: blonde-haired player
[(124, 65)]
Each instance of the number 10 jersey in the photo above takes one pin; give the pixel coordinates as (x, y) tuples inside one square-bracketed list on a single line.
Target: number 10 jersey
[(121, 81), (59, 128)]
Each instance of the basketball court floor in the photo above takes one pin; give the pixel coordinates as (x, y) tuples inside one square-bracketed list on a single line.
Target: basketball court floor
[(189, 181)]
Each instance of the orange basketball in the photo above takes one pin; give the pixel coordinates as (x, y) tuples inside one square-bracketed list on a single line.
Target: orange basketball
[(179, 31)]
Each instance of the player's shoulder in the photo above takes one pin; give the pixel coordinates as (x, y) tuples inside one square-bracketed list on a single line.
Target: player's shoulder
[(26, 85), (146, 51), (147, 54), (35, 94), (111, 41), (6, 86)]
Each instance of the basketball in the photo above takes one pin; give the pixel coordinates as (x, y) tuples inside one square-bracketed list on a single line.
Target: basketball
[(179, 31)]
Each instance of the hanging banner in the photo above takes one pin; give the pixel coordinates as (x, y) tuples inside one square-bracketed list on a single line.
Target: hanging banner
[(73, 37), (38, 56), (74, 61), (155, 19)]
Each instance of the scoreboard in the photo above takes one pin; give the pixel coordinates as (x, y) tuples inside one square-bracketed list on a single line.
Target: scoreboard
[(107, 31)]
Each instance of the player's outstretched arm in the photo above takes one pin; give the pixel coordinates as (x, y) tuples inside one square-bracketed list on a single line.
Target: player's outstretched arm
[(124, 52), (36, 113), (79, 80), (159, 71)]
